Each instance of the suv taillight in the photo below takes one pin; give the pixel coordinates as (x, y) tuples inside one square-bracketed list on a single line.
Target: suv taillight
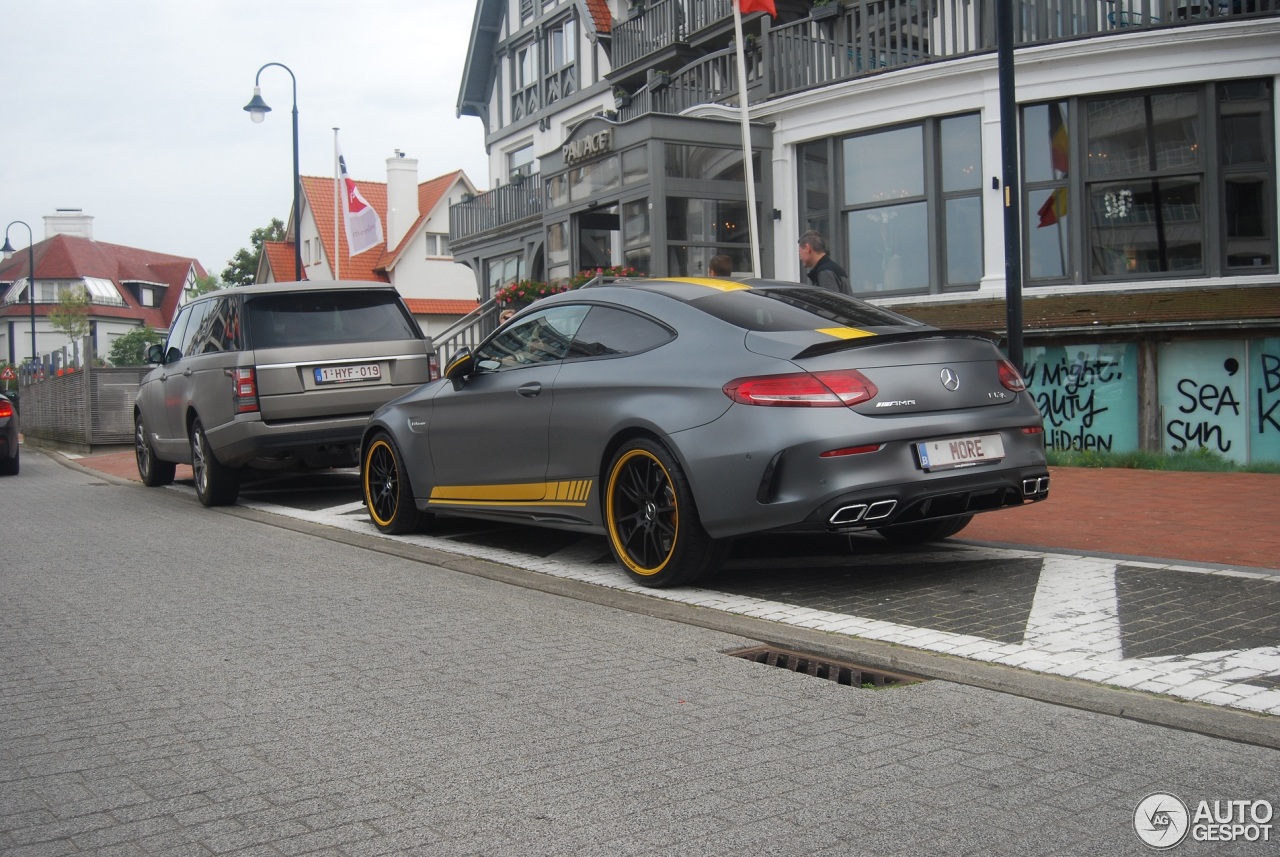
[(6, 409), (245, 392)]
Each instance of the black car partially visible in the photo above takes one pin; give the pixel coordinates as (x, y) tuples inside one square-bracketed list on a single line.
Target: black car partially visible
[(8, 437)]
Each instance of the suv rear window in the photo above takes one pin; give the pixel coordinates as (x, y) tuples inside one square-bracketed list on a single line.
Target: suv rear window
[(327, 318)]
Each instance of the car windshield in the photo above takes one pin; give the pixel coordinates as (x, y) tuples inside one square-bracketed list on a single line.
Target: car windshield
[(326, 318), (796, 308)]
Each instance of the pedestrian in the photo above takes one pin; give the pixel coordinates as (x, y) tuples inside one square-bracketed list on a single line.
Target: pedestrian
[(504, 315), (823, 270), (720, 266)]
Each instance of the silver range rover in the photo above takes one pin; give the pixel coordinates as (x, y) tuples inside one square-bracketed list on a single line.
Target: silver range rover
[(272, 377)]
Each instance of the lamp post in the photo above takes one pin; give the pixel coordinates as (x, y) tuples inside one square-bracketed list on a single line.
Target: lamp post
[(7, 249), (258, 111)]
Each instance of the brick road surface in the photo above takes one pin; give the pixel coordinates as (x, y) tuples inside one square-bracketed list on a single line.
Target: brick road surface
[(183, 682)]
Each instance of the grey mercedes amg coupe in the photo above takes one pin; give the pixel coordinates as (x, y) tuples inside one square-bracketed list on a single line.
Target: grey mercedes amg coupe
[(671, 415)]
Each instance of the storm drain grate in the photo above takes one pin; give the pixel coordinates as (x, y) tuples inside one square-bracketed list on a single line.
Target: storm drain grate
[(841, 672)]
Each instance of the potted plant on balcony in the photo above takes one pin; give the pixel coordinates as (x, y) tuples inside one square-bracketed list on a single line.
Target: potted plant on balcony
[(823, 9), (621, 98)]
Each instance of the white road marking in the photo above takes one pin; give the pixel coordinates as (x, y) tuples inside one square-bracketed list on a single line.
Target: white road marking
[(1073, 628)]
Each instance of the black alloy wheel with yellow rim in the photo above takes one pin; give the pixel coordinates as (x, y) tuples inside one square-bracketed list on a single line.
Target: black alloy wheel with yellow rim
[(388, 496), (652, 521)]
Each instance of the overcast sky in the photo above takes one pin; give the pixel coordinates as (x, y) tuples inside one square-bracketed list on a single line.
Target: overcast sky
[(132, 110)]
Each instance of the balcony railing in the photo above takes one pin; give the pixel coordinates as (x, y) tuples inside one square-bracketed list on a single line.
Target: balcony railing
[(502, 206), (865, 37), (659, 25)]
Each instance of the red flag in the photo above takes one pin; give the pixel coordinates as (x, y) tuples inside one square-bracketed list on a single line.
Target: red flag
[(1054, 208), (364, 227), (749, 6)]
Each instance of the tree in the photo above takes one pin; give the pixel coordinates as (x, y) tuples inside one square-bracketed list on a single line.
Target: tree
[(242, 268), (131, 348), (204, 285), (71, 316)]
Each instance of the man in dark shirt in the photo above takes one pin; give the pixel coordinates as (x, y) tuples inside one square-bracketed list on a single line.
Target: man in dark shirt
[(823, 270)]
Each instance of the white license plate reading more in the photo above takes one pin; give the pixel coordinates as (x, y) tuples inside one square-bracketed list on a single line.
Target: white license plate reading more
[(348, 374), (960, 452)]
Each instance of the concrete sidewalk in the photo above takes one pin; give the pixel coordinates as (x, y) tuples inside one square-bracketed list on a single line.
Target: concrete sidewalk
[(1219, 518)]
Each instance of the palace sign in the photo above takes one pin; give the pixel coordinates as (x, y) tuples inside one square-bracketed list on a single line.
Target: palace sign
[(588, 147)]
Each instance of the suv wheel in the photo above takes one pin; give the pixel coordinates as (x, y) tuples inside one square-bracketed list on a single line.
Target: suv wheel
[(153, 471), (216, 484)]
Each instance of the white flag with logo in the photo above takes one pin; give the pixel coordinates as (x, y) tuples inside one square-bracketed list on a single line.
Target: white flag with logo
[(364, 227)]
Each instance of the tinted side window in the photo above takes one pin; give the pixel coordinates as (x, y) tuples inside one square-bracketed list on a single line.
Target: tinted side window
[(192, 332), (327, 318), (173, 344), (608, 331), (541, 338), (220, 330)]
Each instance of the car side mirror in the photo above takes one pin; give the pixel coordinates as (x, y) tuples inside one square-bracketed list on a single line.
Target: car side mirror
[(462, 365), (155, 354)]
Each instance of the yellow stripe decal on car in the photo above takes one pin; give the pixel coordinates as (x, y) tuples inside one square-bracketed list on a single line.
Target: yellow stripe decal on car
[(845, 332), (570, 492), (710, 282)]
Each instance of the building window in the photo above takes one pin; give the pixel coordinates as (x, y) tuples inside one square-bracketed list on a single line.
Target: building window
[(437, 244), (1046, 153), (698, 229), (1175, 182), (503, 270), (520, 162), (558, 251), (526, 66), (910, 205), (1246, 158), (562, 44)]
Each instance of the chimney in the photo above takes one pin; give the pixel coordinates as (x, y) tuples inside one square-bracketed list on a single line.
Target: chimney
[(402, 197), (68, 221)]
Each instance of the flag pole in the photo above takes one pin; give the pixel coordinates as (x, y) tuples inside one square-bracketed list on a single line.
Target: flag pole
[(747, 161), (337, 192)]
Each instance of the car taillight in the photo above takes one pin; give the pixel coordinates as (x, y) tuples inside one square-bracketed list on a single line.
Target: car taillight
[(1011, 378), (834, 389), (6, 409), (246, 389)]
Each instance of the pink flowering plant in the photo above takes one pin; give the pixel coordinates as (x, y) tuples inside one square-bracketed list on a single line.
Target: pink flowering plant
[(588, 274), (525, 292)]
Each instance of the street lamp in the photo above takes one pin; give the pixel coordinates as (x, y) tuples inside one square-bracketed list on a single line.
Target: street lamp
[(7, 249), (258, 111)]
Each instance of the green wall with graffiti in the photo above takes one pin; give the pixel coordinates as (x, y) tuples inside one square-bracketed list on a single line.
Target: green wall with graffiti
[(1220, 395)]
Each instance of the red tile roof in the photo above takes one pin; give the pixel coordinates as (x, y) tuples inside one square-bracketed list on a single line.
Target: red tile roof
[(372, 264), (440, 306), (281, 261), (72, 257), (600, 14)]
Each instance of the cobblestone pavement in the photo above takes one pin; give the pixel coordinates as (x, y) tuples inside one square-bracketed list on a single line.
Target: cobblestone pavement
[(178, 681), (1203, 632)]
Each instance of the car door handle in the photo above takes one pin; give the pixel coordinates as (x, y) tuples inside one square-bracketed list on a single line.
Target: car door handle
[(186, 372), (529, 390)]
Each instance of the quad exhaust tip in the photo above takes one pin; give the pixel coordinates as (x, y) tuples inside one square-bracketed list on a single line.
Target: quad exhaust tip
[(876, 511), (1032, 487)]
